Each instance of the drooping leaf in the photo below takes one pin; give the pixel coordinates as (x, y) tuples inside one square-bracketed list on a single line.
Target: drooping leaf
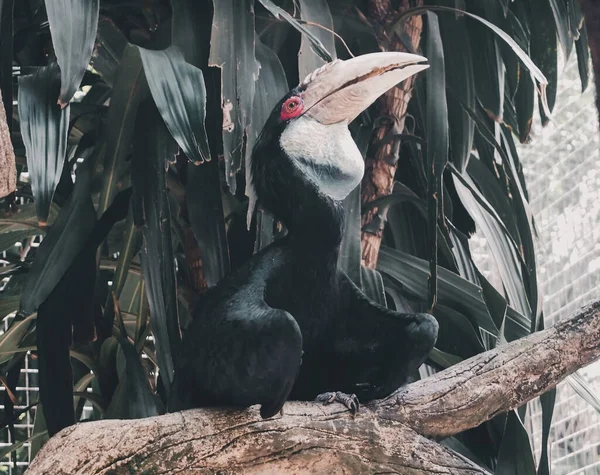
[(10, 339), (203, 198), (53, 339), (561, 17), (73, 25), (65, 239), (271, 86), (44, 130), (153, 147), (372, 285), (315, 12), (535, 71), (133, 397), (129, 89), (442, 359), (67, 317), (180, 95), (437, 142), (349, 259), (544, 47), (525, 222), (108, 50), (515, 456), (40, 432), (232, 50), (585, 391), (453, 291), (488, 71), (131, 241), (315, 42), (502, 246), (524, 105), (205, 208), (460, 79), (17, 445), (457, 334), (462, 255), (496, 195), (547, 401), (583, 57), (190, 30)]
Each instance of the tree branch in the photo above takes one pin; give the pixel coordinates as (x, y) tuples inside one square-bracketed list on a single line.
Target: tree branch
[(311, 438), (474, 391)]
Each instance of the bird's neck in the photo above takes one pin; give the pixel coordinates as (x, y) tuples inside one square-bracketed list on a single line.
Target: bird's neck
[(315, 221)]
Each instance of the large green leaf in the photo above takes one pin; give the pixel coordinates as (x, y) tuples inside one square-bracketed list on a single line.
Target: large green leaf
[(73, 25), (271, 86), (180, 96), (544, 46), (582, 387), (109, 47), (153, 147), (515, 456), (129, 89), (437, 142), (65, 239), (488, 70), (315, 42), (232, 50), (202, 182), (583, 57), (460, 79), (453, 291), (350, 248), (10, 339), (44, 129), (561, 17), (535, 71), (315, 12), (502, 246), (547, 401), (133, 397)]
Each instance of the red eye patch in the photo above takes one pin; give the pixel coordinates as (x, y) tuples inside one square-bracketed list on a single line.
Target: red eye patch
[(292, 108)]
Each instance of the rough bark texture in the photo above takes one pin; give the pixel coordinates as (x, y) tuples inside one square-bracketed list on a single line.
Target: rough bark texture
[(591, 11), (8, 167), (307, 439), (496, 381), (382, 161), (386, 437)]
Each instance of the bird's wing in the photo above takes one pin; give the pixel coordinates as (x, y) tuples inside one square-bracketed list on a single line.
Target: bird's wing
[(239, 351)]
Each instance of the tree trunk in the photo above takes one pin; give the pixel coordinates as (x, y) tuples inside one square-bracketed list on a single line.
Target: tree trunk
[(8, 167), (382, 161), (387, 436)]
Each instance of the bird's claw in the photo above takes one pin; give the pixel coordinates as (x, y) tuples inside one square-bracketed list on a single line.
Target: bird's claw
[(348, 400)]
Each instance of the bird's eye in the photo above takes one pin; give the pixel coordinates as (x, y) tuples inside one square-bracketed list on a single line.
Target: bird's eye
[(292, 108)]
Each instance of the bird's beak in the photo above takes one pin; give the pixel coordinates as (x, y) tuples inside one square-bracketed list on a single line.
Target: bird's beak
[(341, 90)]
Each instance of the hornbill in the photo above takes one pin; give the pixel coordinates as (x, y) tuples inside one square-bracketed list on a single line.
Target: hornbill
[(290, 323)]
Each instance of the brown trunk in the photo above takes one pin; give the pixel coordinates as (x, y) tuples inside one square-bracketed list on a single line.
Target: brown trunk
[(591, 11), (381, 163), (8, 167)]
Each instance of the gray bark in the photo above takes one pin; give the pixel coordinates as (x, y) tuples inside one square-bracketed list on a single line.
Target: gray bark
[(387, 436)]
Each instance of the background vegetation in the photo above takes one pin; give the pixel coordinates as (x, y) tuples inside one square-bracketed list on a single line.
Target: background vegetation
[(135, 181)]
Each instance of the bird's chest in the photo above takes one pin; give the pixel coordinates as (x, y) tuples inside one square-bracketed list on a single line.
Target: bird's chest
[(309, 291)]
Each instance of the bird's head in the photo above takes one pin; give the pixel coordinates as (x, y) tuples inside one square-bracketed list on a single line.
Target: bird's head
[(308, 128)]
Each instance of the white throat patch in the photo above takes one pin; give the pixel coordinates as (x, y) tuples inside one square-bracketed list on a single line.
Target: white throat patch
[(326, 154)]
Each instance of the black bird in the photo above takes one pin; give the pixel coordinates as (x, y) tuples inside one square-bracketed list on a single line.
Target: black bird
[(290, 323)]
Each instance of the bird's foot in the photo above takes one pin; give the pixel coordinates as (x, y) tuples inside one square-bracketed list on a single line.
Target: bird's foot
[(348, 400)]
